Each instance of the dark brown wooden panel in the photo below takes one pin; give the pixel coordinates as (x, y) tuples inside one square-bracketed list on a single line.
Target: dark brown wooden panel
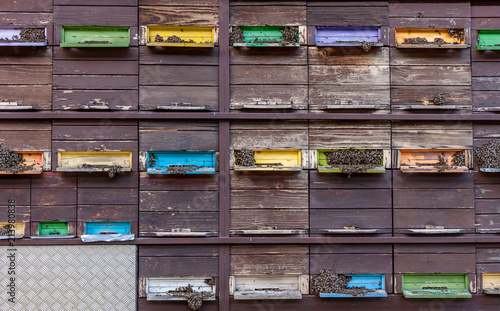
[(24, 74), (26, 140), (37, 96), (108, 213), (487, 254), (149, 305), (433, 198), (284, 94), (432, 181), (486, 84), (21, 214), (178, 140), (74, 82), (487, 130), (107, 196), (180, 2), (179, 75), (351, 249), (268, 56), (69, 67), (179, 201), (166, 221), (115, 100), (178, 266), (269, 264), (21, 196), (419, 218), (124, 54), (356, 181), (179, 15), (53, 213), (348, 16), (15, 181), (430, 9), (18, 55), (150, 97), (411, 95), (252, 219), (179, 125), (278, 180), (489, 206), (178, 251), (417, 22), (348, 56), (434, 248), (438, 57), (491, 221), (292, 15), (487, 191), (26, 6), (269, 198), (176, 182), (95, 15), (350, 263), (351, 198), (268, 74), (53, 196), (486, 69), (98, 131), (26, 19), (178, 56), (371, 75), (54, 180), (269, 139), (128, 180), (97, 2), (434, 263), (339, 218), (484, 8), (427, 75)]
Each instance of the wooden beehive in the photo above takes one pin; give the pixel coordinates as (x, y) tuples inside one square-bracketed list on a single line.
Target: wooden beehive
[(274, 160), (93, 161), (180, 36), (428, 161), (375, 282), (34, 158), (438, 285), (95, 36), (188, 162), (441, 38)]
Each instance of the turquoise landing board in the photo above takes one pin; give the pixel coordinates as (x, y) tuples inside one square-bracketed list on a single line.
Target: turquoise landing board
[(205, 159)]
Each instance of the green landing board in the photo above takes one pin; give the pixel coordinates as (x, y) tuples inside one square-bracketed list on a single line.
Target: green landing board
[(264, 36), (488, 40), (53, 227), (95, 36), (456, 285)]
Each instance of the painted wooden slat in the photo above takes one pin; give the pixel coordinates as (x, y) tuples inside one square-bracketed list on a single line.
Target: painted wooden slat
[(53, 228), (447, 40), (107, 228), (348, 36), (491, 283), (13, 106), (374, 282), (17, 231), (34, 158), (324, 167), (267, 232), (351, 231), (13, 33), (264, 36), (274, 160), (488, 39), (255, 287), (191, 36), (434, 231), (158, 162), (95, 36), (75, 161), (409, 160), (439, 285), (164, 288)]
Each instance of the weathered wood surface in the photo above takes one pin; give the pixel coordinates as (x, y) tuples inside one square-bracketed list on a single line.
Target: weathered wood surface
[(150, 97), (67, 67), (37, 96), (178, 251), (90, 82), (128, 180), (351, 198), (433, 198), (180, 2), (487, 191), (411, 95), (26, 19), (15, 181), (95, 131), (486, 130), (178, 140), (150, 222), (173, 15), (343, 95), (486, 84), (25, 56), (26, 140), (349, 263), (341, 56), (432, 181), (269, 260), (345, 135), (178, 201), (486, 69), (178, 266), (434, 263), (435, 75), (460, 218), (272, 15), (424, 135), (105, 54), (179, 75), (337, 218), (370, 75), (356, 181), (430, 57), (269, 139), (178, 56), (97, 2), (268, 74), (98, 212), (95, 15), (53, 197), (279, 180), (25, 74), (269, 199), (53, 213), (114, 99), (424, 22), (268, 56), (107, 196), (175, 182), (22, 196), (281, 94), (26, 6), (430, 10), (348, 16), (252, 219)]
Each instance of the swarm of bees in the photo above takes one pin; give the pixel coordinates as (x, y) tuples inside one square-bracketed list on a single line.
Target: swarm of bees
[(244, 157), (28, 35), (327, 282), (175, 39), (236, 35), (366, 46), (194, 299), (457, 34), (182, 169), (457, 159), (438, 99), (289, 35), (488, 155), (353, 161), (12, 162), (112, 170)]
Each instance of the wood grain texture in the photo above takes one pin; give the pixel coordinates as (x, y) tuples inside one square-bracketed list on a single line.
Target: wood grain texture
[(269, 139), (53, 213), (177, 266), (26, 19), (486, 69), (272, 15), (37, 96), (349, 263), (359, 75), (180, 2), (486, 84), (269, 199), (426, 75), (150, 222), (432, 181), (268, 74), (343, 138), (337, 218), (97, 2), (26, 6), (129, 180), (252, 219), (484, 10), (178, 140), (433, 198), (67, 67), (53, 197), (178, 56), (269, 264), (278, 180), (106, 54), (15, 181), (456, 248), (435, 139), (19, 55), (22, 197), (179, 75), (487, 191), (418, 218), (25, 74), (175, 182), (434, 263), (417, 22), (411, 95), (93, 82), (268, 56), (486, 130), (284, 94), (114, 99), (356, 181), (178, 201), (92, 15), (351, 198), (487, 254), (179, 15), (107, 196), (108, 212), (430, 57), (150, 97), (103, 130), (348, 16), (26, 140), (348, 56), (428, 10), (178, 251)]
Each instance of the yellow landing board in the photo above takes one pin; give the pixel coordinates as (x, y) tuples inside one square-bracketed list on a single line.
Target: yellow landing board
[(180, 36), (275, 160), (76, 159)]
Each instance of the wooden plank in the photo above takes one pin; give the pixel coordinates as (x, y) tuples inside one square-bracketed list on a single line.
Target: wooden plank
[(15, 181), (268, 56), (428, 10), (179, 75), (178, 56), (356, 181), (370, 75), (178, 251), (96, 212), (269, 198), (279, 180), (419, 218), (178, 201), (434, 263), (20, 55), (242, 95), (484, 11), (486, 130), (67, 67), (175, 182), (74, 82), (97, 2), (430, 57), (95, 15), (269, 264), (424, 22), (26, 6), (487, 206), (53, 197), (491, 254), (435, 75), (152, 140), (180, 2), (488, 222), (114, 99), (485, 99), (267, 125), (37, 96), (178, 266), (486, 84), (105, 54), (26, 140), (433, 198), (352, 249), (407, 139), (342, 56), (411, 95), (268, 74), (54, 180), (348, 16), (128, 180), (434, 249), (179, 15), (107, 196), (22, 196), (337, 218), (487, 191), (486, 69), (432, 181), (321, 96), (150, 222), (252, 219), (347, 263), (53, 213), (268, 139), (26, 19), (150, 97), (25, 74), (275, 249), (102, 131), (351, 198), (11, 125), (176, 125), (272, 15), (342, 138)]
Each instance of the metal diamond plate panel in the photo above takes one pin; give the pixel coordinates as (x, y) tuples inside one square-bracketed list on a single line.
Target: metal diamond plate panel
[(94, 277)]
